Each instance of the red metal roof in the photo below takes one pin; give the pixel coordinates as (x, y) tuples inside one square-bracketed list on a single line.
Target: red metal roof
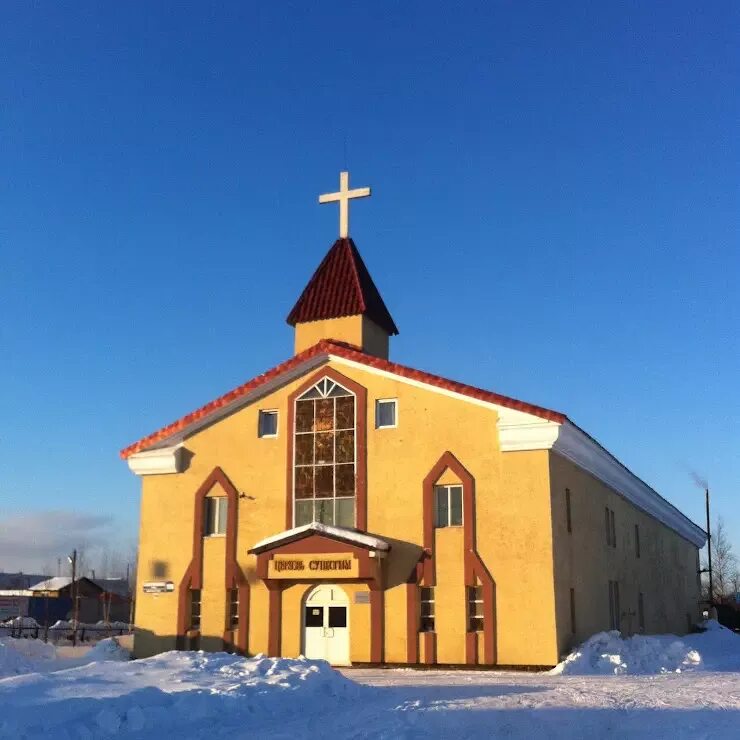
[(348, 352), (341, 286)]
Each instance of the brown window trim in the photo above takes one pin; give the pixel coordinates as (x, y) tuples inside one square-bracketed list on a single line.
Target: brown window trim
[(361, 442)]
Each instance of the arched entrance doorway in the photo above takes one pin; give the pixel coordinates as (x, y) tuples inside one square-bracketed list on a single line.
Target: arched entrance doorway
[(326, 625)]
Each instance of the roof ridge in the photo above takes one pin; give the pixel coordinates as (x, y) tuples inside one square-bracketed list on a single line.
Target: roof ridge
[(350, 246)]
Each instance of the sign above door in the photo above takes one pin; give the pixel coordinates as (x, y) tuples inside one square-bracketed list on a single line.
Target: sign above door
[(314, 566)]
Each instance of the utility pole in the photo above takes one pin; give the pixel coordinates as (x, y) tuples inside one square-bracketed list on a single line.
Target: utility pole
[(75, 596), (709, 552)]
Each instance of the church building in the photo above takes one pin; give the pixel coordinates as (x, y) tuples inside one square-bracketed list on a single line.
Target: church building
[(344, 507)]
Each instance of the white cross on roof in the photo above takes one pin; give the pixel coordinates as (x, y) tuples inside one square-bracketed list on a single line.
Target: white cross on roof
[(343, 196)]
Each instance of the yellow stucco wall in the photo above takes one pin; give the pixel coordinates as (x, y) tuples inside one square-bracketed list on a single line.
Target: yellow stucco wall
[(357, 330), (665, 572), (520, 549), (519, 526), (511, 497)]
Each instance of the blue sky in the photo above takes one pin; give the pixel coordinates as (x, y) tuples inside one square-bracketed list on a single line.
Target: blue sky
[(554, 217)]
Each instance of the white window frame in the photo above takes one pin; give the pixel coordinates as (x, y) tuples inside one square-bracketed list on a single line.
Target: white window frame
[(195, 620), (380, 401), (221, 502), (448, 487), (431, 601), (272, 412), (325, 387), (232, 609), (480, 621)]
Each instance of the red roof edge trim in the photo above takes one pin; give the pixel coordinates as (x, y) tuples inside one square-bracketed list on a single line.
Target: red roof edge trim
[(232, 395), (347, 352)]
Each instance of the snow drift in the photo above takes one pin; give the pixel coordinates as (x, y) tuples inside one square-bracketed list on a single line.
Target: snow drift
[(715, 649), (169, 694), (24, 656), (19, 656)]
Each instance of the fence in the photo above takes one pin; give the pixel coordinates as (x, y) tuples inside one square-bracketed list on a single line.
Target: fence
[(66, 635)]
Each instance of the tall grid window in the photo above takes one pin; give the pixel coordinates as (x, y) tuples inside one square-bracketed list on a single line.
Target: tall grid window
[(476, 618), (426, 602), (325, 456), (195, 609), (232, 608)]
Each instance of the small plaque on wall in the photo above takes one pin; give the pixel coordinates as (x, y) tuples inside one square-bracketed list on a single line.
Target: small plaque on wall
[(362, 597), (158, 587)]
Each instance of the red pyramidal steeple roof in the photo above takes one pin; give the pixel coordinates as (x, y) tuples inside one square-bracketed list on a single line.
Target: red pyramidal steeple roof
[(342, 286)]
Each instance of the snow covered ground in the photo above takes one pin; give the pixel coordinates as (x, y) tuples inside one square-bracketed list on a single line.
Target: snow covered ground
[(20, 656), (716, 649), (197, 695)]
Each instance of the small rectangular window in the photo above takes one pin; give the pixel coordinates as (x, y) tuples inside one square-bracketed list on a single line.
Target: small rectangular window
[(611, 531), (613, 528), (476, 617), (216, 508), (426, 611), (233, 608), (615, 615), (386, 413), (195, 609), (268, 424), (568, 521), (637, 540), (641, 612), (448, 506), (573, 611)]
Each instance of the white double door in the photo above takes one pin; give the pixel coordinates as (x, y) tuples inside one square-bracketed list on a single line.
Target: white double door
[(326, 625)]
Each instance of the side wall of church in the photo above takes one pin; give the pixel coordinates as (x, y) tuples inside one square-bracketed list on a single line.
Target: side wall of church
[(665, 571), (512, 526)]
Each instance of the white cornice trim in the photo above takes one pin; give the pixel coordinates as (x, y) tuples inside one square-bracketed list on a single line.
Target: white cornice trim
[(520, 431), (161, 461), (575, 445)]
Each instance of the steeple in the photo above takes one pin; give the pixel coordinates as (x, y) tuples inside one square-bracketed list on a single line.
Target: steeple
[(342, 302)]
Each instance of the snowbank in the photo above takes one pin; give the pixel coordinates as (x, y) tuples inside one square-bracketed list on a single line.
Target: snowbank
[(171, 694), (19, 656), (63, 624), (716, 649), (22, 622), (107, 649), (24, 656)]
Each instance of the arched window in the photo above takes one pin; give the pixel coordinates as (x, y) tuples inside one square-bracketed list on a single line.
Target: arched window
[(324, 456)]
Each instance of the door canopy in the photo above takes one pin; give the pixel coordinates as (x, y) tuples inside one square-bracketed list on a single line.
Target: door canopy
[(319, 552)]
